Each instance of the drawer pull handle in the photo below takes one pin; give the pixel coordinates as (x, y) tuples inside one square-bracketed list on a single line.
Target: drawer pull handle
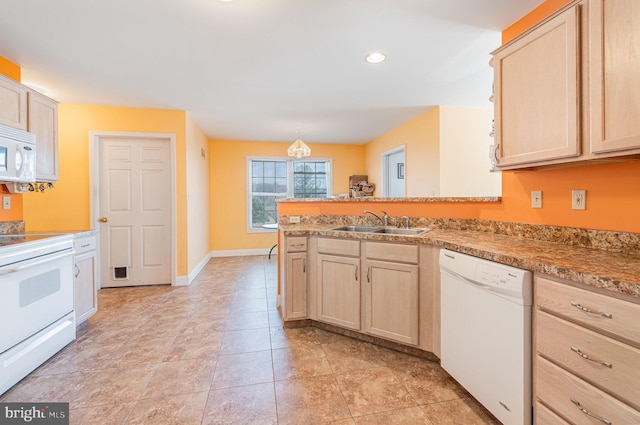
[(356, 273), (588, 310), (586, 412), (586, 357)]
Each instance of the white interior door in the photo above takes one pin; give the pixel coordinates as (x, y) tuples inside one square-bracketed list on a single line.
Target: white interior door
[(135, 211), (394, 173)]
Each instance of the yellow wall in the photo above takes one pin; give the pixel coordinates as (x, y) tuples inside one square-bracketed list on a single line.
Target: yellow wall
[(197, 193), (421, 137), (66, 207), (228, 181)]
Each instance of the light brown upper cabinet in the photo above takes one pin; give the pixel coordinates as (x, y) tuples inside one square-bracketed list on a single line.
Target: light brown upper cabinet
[(26, 109), (568, 90), (614, 75), (43, 122), (13, 103), (536, 93)]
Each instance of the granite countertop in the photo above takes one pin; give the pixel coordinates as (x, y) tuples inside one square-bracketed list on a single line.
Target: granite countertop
[(77, 233), (432, 199), (602, 269)]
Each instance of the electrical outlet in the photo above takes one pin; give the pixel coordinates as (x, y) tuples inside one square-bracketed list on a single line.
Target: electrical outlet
[(579, 199), (294, 219), (6, 202), (536, 199)]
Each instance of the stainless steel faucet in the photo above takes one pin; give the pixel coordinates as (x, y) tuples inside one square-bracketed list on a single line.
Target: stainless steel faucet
[(406, 221), (384, 219)]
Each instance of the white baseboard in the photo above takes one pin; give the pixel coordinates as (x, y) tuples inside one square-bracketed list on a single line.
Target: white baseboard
[(186, 280), (182, 281)]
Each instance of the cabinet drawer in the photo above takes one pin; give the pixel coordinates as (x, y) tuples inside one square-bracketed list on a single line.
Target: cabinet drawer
[(568, 394), (84, 244), (339, 247), (600, 312), (296, 244), (392, 252), (545, 416), (567, 344)]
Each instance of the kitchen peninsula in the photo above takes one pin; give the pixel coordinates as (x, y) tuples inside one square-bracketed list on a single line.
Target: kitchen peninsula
[(586, 287)]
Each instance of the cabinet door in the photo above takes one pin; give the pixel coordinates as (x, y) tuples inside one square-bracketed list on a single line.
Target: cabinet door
[(536, 94), (43, 122), (392, 301), (339, 291), (614, 74), (86, 295), (13, 103), (295, 289)]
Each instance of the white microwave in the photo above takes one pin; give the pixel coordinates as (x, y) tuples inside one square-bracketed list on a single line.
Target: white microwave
[(17, 155)]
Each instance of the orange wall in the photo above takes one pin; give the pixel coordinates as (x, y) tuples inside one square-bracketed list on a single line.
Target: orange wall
[(532, 18), (613, 193), (228, 182), (11, 70)]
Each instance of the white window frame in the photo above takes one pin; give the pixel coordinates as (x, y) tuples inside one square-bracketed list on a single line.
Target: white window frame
[(290, 188)]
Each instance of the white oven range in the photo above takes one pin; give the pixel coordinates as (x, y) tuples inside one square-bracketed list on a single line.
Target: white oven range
[(36, 302)]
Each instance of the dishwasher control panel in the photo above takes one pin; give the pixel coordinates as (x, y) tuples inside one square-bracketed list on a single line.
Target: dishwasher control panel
[(507, 281)]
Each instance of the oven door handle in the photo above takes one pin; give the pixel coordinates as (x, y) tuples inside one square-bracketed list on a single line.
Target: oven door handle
[(14, 269)]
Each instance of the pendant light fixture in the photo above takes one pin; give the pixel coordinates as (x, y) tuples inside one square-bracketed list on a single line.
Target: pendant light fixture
[(299, 148)]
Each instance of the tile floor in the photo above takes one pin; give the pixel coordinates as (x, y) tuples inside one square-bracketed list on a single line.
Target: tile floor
[(215, 352)]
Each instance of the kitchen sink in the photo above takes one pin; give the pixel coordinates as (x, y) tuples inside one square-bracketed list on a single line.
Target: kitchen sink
[(359, 229), (405, 232), (385, 230)]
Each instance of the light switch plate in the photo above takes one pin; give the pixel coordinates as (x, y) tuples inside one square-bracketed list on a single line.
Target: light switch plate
[(579, 199), (536, 199), (6, 202)]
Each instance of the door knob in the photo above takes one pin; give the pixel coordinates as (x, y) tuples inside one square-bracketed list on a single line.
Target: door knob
[(103, 219)]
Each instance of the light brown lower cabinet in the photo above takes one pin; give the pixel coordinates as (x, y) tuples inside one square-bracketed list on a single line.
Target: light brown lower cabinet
[(587, 363), (391, 291), (339, 290), (295, 287)]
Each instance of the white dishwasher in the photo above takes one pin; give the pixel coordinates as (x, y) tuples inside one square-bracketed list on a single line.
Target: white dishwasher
[(486, 333)]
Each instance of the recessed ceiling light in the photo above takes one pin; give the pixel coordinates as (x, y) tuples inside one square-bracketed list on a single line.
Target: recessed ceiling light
[(375, 57)]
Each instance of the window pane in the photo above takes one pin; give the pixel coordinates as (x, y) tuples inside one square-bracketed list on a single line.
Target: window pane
[(257, 185), (281, 185), (270, 180), (270, 169), (257, 168)]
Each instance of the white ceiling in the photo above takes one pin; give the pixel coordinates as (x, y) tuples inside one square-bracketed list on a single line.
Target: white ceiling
[(262, 69)]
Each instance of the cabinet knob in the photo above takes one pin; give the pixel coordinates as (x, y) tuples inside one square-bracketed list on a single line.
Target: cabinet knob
[(102, 219)]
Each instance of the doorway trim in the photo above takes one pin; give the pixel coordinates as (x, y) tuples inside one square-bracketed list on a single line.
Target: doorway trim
[(385, 166), (94, 184)]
